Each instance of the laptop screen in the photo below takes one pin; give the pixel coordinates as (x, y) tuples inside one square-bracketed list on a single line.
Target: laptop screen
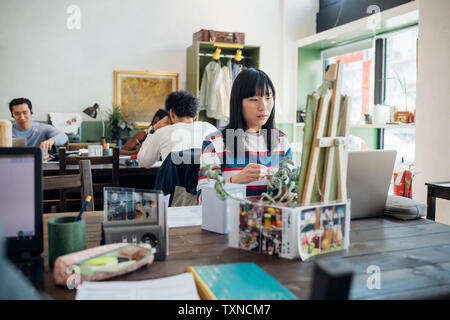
[(17, 195)]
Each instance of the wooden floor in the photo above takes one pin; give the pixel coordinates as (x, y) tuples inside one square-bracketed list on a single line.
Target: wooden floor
[(414, 258)]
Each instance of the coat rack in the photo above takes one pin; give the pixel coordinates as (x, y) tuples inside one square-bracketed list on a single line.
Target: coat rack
[(216, 55)]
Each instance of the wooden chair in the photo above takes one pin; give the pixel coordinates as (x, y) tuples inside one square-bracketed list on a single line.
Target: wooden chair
[(73, 182), (98, 182)]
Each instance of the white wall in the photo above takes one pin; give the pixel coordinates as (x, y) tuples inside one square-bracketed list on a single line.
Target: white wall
[(299, 21), (66, 70), (433, 103)]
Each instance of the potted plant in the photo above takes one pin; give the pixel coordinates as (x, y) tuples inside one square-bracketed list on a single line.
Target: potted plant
[(403, 115), (119, 125), (281, 188)]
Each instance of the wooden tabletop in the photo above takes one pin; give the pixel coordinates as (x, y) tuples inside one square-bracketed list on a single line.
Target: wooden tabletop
[(414, 258), (440, 185)]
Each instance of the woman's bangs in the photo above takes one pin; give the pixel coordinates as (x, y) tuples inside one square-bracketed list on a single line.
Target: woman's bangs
[(259, 88)]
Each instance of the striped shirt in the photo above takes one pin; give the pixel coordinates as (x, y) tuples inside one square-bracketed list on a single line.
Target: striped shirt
[(251, 149)]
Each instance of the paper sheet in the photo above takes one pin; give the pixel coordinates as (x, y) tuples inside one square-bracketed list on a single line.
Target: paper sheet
[(66, 122), (184, 216), (179, 287)]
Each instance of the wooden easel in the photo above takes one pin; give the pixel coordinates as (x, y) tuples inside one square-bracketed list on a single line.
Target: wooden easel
[(332, 141)]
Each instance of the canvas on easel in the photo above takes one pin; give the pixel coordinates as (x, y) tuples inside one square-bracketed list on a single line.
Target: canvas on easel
[(324, 159)]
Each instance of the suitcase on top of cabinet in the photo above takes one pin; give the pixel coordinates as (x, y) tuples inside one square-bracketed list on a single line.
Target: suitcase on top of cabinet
[(219, 36)]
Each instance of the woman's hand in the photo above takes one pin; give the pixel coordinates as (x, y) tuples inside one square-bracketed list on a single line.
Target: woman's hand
[(162, 123), (133, 145), (251, 173)]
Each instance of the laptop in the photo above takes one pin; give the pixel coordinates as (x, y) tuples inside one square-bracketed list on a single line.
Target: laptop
[(369, 176), (21, 210), (19, 142)]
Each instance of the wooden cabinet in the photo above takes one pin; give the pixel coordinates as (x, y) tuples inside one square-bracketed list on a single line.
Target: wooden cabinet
[(199, 54)]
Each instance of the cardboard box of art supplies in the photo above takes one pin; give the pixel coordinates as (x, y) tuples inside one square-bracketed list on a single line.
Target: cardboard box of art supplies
[(100, 263), (290, 232)]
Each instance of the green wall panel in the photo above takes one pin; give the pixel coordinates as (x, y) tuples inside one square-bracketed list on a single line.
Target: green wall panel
[(287, 129), (369, 135), (310, 74), (92, 131)]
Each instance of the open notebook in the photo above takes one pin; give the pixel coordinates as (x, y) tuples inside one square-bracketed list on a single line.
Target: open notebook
[(179, 287)]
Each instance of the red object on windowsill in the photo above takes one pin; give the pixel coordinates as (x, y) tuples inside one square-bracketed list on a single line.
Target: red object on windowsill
[(403, 182)]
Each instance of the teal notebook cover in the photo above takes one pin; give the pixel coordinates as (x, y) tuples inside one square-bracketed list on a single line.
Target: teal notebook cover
[(242, 281)]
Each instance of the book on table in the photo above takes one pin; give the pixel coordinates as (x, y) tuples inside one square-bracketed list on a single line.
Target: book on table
[(237, 281)]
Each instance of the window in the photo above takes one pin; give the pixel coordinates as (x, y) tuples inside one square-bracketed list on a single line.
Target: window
[(395, 79), (401, 70), (400, 89), (402, 140), (358, 76)]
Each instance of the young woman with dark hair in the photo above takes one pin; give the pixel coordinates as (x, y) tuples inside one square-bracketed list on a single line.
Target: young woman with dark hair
[(250, 146), (133, 145)]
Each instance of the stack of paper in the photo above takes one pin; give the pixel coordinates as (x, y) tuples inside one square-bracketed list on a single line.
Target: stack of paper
[(187, 216), (179, 287)]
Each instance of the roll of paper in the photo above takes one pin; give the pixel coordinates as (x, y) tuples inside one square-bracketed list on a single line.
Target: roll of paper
[(5, 133)]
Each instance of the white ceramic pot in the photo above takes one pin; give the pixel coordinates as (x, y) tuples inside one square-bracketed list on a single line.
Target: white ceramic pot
[(381, 114)]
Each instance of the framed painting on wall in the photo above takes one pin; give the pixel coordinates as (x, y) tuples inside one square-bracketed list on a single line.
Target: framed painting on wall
[(141, 93)]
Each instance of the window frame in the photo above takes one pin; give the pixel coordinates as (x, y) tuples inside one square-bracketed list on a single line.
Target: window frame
[(379, 43), (347, 48)]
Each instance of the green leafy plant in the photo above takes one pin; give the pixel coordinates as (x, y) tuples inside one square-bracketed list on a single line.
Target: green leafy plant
[(214, 172), (281, 186), (118, 123)]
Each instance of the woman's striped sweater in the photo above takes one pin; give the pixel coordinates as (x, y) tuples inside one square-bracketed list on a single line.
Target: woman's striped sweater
[(250, 148)]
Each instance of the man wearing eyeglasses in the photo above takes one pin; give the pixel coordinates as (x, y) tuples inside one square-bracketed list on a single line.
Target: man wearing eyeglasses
[(37, 134)]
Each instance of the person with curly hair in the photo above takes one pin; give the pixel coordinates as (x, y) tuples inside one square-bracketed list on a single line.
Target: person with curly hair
[(177, 132)]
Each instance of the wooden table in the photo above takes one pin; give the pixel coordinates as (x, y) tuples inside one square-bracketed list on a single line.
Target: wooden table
[(414, 258), (436, 190)]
